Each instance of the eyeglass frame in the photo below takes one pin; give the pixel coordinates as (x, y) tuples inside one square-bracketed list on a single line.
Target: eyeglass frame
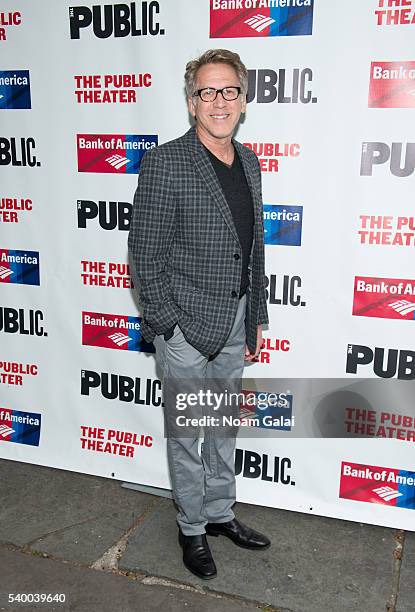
[(197, 93)]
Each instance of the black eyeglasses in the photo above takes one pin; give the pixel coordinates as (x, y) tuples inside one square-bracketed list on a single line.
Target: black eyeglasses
[(209, 94)]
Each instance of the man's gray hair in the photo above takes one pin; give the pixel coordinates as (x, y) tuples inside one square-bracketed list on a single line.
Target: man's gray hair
[(215, 56)]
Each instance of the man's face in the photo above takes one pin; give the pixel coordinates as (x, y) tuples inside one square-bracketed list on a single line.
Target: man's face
[(216, 119)]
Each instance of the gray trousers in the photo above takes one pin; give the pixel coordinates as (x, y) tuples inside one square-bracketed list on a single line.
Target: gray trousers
[(203, 485)]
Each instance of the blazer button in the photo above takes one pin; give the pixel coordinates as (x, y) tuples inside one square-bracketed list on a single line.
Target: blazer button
[(236, 256), (233, 293)]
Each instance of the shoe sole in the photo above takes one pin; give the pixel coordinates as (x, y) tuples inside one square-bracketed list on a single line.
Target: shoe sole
[(199, 575), (215, 534)]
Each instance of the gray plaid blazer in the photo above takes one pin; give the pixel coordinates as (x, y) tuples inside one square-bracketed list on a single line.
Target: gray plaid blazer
[(182, 244)]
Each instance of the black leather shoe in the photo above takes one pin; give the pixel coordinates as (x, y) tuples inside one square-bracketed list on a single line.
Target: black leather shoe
[(239, 533), (197, 556)]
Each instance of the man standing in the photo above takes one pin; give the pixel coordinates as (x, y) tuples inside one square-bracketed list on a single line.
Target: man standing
[(196, 245)]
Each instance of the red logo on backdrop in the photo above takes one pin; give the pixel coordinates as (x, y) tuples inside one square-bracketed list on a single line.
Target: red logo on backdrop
[(109, 88), (112, 153), (386, 298), (269, 348), (113, 441), (112, 331), (246, 18), (233, 23), (106, 274), (270, 154), (395, 12), (392, 85), (12, 372), (13, 18), (10, 207), (387, 230), (377, 485)]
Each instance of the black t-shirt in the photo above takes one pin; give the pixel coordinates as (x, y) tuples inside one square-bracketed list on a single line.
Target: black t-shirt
[(238, 196)]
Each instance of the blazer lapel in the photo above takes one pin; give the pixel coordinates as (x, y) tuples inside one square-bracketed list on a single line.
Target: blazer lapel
[(203, 165), (248, 169)]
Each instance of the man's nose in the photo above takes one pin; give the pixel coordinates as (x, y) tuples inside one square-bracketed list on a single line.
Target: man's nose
[(220, 100)]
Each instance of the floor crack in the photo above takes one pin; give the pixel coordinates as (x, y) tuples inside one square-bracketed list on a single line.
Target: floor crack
[(152, 580), (399, 538), (61, 529), (111, 557)]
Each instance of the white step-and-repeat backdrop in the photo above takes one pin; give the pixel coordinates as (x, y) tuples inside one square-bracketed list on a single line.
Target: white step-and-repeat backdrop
[(85, 91)]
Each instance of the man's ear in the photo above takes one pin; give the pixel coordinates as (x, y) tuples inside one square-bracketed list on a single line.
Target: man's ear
[(243, 104), (191, 106)]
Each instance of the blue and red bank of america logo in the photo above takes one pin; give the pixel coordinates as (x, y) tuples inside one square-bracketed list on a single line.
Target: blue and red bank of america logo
[(15, 89), (377, 485), (114, 331), (386, 298), (256, 18), (20, 427), (267, 410), (113, 153), (20, 267), (283, 224)]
